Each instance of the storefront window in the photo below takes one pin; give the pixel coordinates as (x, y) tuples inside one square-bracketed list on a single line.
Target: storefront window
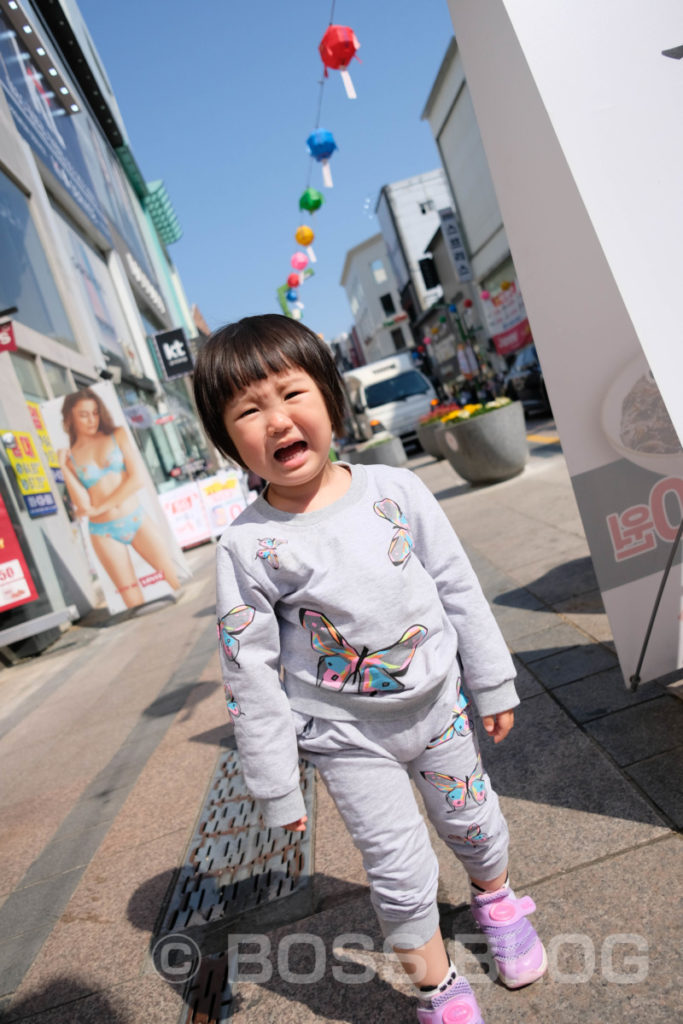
[(29, 379), (59, 378), (25, 277)]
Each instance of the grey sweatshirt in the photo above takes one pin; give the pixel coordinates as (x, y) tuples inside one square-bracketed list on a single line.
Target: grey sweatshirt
[(353, 611)]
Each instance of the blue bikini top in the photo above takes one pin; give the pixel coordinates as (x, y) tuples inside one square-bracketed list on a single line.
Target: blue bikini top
[(91, 474)]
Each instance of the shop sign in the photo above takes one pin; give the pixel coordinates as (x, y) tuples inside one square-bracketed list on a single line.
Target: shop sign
[(174, 353), (43, 436), (16, 584), (223, 500), (186, 515), (138, 415), (450, 230), (31, 477), (7, 340), (506, 319)]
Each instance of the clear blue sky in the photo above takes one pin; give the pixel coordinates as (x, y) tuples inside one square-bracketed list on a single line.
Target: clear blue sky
[(218, 98)]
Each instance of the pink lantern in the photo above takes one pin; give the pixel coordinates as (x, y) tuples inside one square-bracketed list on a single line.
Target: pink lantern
[(485, 296), (299, 260)]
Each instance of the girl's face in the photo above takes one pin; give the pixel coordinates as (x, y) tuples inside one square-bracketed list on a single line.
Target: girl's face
[(282, 430), (86, 417)]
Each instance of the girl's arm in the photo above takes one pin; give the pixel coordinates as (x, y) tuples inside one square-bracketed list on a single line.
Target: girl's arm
[(488, 669), (249, 644), (132, 475), (78, 494)]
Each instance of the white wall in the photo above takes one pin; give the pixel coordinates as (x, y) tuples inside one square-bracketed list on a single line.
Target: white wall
[(360, 284), (452, 120)]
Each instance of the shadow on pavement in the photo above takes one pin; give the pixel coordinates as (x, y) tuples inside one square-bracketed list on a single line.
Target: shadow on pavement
[(301, 960), (69, 1001), (560, 583)]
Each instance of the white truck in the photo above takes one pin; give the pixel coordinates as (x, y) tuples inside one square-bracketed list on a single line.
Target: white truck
[(392, 391)]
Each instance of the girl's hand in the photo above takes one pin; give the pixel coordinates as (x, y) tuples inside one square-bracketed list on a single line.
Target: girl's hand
[(297, 826), (498, 726)]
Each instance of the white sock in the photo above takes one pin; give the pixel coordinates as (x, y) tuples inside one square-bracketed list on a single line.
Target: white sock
[(427, 994), (476, 891)]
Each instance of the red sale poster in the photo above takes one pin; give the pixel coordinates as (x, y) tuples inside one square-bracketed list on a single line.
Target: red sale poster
[(16, 584)]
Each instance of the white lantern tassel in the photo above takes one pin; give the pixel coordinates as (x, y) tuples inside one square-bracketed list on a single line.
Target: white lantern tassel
[(327, 174), (311, 254), (348, 84)]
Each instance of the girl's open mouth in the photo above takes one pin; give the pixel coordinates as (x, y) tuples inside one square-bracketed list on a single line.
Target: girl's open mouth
[(291, 451)]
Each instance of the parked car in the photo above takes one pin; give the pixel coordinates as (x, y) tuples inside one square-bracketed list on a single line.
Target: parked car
[(524, 381)]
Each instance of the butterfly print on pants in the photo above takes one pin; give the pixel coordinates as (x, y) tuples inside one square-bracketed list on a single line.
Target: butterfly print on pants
[(473, 838), (341, 666), (459, 723), (402, 541), (458, 790)]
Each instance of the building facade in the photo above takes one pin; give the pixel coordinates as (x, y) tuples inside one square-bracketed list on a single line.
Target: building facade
[(86, 280), (408, 216), (497, 303), (381, 325)]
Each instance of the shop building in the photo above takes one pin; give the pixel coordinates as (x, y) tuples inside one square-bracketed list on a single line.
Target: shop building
[(407, 212), (381, 325), (485, 273), (87, 285)]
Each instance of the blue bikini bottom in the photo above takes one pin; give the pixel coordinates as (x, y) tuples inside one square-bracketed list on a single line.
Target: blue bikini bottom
[(122, 529)]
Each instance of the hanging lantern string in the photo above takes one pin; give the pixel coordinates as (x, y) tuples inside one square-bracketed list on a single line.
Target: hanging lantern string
[(332, 11), (311, 161)]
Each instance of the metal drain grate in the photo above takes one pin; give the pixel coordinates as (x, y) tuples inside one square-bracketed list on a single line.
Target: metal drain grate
[(208, 996), (234, 864)]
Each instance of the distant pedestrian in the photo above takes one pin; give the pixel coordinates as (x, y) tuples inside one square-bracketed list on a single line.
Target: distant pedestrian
[(345, 604)]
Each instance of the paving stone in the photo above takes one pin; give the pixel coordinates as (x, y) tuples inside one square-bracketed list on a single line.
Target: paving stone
[(573, 663), (661, 778), (601, 694), (547, 642), (525, 683), (641, 732)]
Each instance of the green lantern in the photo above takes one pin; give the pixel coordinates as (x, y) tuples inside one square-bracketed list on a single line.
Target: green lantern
[(311, 200)]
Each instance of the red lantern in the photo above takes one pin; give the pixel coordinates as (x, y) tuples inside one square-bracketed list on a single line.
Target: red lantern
[(338, 48), (467, 303), (293, 281)]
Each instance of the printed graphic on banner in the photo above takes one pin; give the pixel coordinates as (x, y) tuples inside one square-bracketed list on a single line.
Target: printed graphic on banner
[(223, 499), (506, 319), (186, 515), (43, 436), (174, 353), (631, 509), (28, 469), (7, 340), (16, 584), (111, 496)]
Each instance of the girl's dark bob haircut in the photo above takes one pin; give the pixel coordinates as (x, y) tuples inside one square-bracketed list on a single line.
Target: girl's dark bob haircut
[(251, 349)]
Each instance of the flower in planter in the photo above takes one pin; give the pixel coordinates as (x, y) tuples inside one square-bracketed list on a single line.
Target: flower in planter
[(474, 409), (437, 413)]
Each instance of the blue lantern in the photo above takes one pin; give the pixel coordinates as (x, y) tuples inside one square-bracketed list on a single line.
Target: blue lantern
[(292, 295), (321, 146)]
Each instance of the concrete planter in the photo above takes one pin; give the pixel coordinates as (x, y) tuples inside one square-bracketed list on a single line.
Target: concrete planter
[(487, 448), (428, 438), (385, 453)]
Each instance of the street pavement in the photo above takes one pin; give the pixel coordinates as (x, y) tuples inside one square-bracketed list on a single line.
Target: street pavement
[(117, 762)]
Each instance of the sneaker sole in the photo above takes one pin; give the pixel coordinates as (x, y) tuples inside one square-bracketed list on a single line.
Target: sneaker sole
[(525, 979)]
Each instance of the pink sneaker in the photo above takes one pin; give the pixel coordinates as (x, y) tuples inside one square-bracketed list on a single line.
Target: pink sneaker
[(516, 948), (456, 1005)]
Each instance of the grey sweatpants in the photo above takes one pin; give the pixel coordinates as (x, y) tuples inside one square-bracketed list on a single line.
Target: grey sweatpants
[(367, 768)]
